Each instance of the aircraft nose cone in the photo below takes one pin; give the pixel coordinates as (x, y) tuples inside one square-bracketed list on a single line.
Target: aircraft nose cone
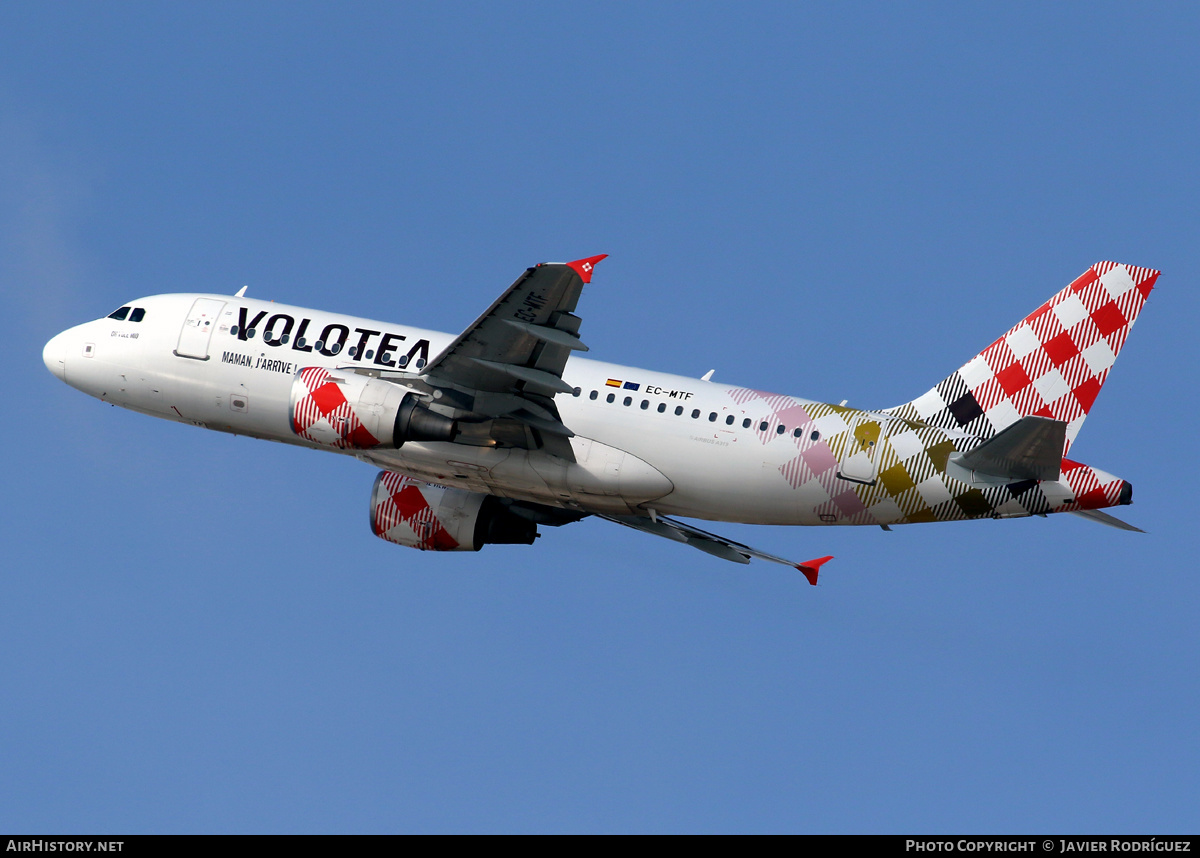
[(54, 355)]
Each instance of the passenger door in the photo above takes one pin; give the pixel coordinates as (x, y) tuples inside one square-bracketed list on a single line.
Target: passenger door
[(198, 328)]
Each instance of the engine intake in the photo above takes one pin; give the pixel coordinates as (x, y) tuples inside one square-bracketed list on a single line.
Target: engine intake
[(432, 518)]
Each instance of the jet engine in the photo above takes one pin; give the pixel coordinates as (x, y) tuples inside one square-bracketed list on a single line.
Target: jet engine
[(432, 518), (345, 409)]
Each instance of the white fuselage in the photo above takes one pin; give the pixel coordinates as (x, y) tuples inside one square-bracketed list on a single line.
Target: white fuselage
[(684, 456)]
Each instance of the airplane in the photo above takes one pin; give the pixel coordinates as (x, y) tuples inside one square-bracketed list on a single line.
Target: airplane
[(484, 437)]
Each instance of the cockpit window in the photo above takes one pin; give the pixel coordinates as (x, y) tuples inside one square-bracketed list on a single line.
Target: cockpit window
[(119, 315), (137, 315)]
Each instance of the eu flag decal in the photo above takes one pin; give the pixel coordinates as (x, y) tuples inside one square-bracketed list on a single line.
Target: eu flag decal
[(629, 385)]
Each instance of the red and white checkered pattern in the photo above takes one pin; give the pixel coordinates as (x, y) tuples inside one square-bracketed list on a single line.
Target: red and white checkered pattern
[(1092, 488), (321, 413), (401, 513), (1053, 363)]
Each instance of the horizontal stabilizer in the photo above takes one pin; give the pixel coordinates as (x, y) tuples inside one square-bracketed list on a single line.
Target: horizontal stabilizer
[(1030, 449), (1104, 518)]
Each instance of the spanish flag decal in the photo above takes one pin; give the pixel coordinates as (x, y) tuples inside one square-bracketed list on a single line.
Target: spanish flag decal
[(612, 382)]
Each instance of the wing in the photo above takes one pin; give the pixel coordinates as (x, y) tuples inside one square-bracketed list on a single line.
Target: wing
[(510, 361), (718, 546), (500, 375), (521, 344)]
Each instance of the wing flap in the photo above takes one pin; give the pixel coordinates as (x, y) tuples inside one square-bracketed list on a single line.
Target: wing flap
[(549, 335), (529, 375)]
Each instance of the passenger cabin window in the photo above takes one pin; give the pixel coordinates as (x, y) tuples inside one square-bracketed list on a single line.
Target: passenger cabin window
[(695, 413), (629, 400), (678, 410), (712, 417), (120, 314), (746, 423), (137, 315), (662, 406), (645, 404), (593, 394), (780, 429), (612, 397), (729, 420), (576, 392)]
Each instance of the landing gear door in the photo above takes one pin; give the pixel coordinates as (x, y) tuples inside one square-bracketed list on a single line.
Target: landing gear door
[(860, 459), (198, 328)]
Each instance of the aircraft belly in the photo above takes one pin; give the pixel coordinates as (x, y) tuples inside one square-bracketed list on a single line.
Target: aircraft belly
[(602, 479), (469, 468)]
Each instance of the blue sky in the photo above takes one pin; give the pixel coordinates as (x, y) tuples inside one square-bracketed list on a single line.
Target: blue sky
[(840, 201)]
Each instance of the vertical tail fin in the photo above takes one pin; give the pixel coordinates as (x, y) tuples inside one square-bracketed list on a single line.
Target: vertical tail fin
[(1051, 364)]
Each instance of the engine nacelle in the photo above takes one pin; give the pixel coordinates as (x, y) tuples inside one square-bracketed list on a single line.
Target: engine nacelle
[(408, 512), (345, 409)]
